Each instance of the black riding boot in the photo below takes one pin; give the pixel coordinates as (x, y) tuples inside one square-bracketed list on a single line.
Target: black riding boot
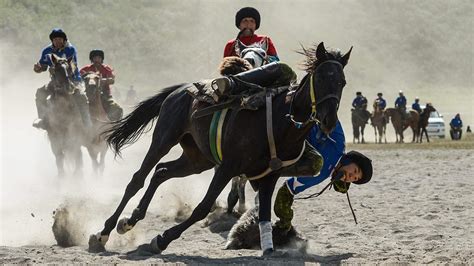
[(273, 74)]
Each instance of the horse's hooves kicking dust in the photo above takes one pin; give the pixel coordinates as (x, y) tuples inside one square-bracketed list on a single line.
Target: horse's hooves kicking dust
[(96, 245)]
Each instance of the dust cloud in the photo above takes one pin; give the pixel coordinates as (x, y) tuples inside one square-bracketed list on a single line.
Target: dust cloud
[(422, 47)]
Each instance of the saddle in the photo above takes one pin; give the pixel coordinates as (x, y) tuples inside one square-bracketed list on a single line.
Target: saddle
[(253, 97)]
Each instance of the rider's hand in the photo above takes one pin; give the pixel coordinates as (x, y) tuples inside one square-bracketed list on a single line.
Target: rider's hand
[(37, 68)]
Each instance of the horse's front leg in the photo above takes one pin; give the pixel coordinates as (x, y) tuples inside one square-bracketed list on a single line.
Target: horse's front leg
[(219, 181), (182, 167), (265, 191), (158, 148)]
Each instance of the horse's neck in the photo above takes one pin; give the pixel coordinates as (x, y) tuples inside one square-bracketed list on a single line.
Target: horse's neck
[(301, 105)]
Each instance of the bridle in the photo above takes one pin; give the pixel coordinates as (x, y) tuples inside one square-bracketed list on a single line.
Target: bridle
[(314, 102)]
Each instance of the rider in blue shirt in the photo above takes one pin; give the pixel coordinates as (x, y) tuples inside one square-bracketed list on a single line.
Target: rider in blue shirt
[(359, 102), (352, 167), (401, 105), (416, 105), (381, 103), (62, 48), (456, 121)]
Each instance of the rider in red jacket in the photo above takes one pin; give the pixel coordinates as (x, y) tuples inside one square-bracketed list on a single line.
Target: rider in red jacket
[(106, 72), (247, 20)]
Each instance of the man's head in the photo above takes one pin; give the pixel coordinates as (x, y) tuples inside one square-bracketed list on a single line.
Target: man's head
[(417, 99), (400, 93), (58, 38), (356, 168), (458, 116), (379, 94), (97, 56), (358, 94), (247, 20)]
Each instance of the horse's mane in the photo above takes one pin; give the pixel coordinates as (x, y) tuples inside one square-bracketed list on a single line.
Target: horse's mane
[(311, 61)]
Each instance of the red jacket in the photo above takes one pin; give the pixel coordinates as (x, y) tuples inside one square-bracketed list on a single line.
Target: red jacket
[(229, 49), (105, 70)]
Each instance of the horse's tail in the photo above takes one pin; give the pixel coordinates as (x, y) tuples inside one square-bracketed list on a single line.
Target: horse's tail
[(128, 130)]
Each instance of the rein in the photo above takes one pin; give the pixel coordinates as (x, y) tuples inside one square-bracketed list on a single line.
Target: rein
[(317, 194), (312, 117)]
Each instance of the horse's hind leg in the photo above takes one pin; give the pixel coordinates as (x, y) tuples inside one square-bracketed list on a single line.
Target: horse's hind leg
[(219, 181), (190, 162), (362, 128), (242, 182), (233, 196)]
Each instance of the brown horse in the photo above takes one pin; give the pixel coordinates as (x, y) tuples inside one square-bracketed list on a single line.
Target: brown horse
[(379, 122), (100, 122), (423, 123), (400, 125)]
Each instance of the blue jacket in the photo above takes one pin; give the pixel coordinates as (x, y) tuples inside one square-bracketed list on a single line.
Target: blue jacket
[(401, 101), (381, 102), (331, 148), (456, 122), (416, 106), (67, 52), (359, 102)]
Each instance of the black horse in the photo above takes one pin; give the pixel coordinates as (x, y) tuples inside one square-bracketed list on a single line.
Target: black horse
[(245, 145)]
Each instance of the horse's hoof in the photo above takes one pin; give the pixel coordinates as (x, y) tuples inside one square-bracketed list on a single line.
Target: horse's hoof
[(155, 244), (268, 252), (97, 243), (123, 226)]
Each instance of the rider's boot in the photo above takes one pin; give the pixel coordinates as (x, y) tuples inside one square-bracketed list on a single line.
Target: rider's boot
[(271, 74), (80, 99), (41, 106), (282, 208)]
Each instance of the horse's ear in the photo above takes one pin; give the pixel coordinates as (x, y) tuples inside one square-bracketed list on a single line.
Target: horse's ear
[(54, 58), (321, 52), (345, 58), (241, 45)]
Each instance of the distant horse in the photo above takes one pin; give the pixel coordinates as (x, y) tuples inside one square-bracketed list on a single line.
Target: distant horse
[(379, 122), (65, 127), (410, 121), (245, 145), (423, 123), (97, 148), (359, 120)]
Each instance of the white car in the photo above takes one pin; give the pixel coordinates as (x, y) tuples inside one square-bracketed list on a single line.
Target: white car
[(436, 127)]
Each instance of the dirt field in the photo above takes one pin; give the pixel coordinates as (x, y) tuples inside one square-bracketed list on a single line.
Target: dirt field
[(417, 209)]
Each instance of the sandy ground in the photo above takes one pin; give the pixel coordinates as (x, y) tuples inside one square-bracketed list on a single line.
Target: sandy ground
[(417, 209)]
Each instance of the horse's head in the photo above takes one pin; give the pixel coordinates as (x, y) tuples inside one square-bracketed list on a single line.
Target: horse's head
[(326, 69), (255, 54), (62, 74), (92, 82), (429, 108)]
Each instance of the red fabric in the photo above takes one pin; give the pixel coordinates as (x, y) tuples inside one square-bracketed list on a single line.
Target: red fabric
[(105, 71), (248, 40)]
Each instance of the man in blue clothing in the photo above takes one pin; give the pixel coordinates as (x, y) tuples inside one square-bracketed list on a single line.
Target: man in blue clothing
[(416, 105), (343, 168), (360, 106), (62, 48), (401, 105), (456, 125), (359, 102), (380, 102)]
